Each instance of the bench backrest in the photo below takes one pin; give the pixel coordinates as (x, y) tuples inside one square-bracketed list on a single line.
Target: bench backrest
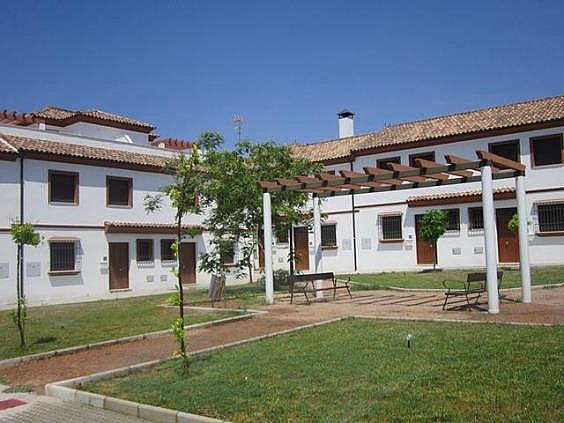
[(482, 277), (311, 277)]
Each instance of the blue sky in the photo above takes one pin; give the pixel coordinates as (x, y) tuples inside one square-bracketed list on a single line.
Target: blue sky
[(286, 66)]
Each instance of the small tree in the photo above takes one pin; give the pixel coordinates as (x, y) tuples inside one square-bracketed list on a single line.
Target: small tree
[(433, 226), (22, 234), (513, 224), (183, 195)]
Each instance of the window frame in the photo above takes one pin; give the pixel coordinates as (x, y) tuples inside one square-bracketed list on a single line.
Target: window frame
[(138, 243), (447, 211), (66, 271), (329, 246), (51, 173), (471, 223), (162, 243), (129, 204), (381, 237), (538, 231), (380, 162), (516, 141), (532, 141), (414, 156)]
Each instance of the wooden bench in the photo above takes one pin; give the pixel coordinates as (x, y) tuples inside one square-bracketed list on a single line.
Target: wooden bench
[(476, 284), (305, 284)]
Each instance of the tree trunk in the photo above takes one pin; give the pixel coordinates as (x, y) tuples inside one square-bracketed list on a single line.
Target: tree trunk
[(180, 287), (434, 256), (19, 278)]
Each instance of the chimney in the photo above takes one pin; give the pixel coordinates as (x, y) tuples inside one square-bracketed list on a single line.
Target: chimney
[(346, 125)]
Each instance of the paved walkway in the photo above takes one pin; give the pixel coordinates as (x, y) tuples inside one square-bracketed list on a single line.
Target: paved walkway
[(548, 308)]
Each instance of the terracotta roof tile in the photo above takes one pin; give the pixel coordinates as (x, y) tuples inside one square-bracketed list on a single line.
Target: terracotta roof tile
[(476, 121), (77, 151), (460, 196), (152, 228)]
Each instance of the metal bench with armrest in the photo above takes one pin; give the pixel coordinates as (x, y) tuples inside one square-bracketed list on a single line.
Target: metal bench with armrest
[(475, 285)]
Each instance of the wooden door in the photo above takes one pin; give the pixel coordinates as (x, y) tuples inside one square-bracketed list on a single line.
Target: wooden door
[(507, 241), (425, 250), (188, 262), (301, 248), (119, 265)]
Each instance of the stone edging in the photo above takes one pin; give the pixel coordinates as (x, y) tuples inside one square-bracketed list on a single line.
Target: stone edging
[(65, 390), (397, 288), (248, 314)]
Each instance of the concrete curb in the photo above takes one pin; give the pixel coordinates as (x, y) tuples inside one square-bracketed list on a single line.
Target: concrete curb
[(439, 290), (446, 320), (248, 314), (65, 390)]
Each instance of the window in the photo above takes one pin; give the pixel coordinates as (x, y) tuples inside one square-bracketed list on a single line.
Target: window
[(390, 228), (282, 236), (547, 150), (144, 250), (475, 218), (508, 149), (551, 217), (166, 250), (62, 256), (119, 191), (229, 255), (426, 156), (329, 235), (453, 219), (63, 187), (383, 163)]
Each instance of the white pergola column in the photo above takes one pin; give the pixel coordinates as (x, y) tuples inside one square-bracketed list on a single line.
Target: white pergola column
[(267, 227), (523, 240), (317, 243), (488, 210)]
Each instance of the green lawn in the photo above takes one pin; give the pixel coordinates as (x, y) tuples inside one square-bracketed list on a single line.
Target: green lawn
[(363, 371), (511, 278), (53, 327)]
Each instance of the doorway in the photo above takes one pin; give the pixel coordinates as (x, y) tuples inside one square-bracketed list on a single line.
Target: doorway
[(119, 265), (507, 241), (188, 262), (425, 250), (301, 248)]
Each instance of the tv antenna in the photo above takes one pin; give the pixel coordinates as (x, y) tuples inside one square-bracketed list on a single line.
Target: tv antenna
[(237, 124)]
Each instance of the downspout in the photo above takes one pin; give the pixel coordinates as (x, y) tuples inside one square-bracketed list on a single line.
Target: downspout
[(353, 222), (21, 269)]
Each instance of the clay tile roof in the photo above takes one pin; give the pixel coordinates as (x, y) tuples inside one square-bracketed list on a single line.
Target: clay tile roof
[(113, 157), (5, 147), (459, 124), (146, 228), (172, 143), (459, 197), (57, 115)]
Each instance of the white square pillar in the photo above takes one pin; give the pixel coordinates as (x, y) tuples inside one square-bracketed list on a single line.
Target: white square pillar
[(488, 210), (267, 227), (524, 265), (317, 243)]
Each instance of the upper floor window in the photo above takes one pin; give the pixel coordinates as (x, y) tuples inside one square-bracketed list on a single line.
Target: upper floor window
[(329, 235), (475, 218), (145, 250), (453, 219), (119, 191), (430, 155), (63, 187), (390, 228), (383, 163), (282, 236), (551, 217), (547, 150), (508, 149), (62, 257), (167, 254)]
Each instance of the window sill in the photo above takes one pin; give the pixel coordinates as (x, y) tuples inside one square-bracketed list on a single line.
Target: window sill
[(64, 272), (329, 247), (120, 290), (554, 233), (119, 206), (548, 166), (391, 241), (168, 263), (230, 264), (145, 264), (63, 203)]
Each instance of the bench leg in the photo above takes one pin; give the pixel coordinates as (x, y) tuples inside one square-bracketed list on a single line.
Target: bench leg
[(291, 296), (349, 291), (446, 299)]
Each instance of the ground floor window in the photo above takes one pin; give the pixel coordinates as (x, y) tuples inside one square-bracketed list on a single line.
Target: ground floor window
[(145, 250), (453, 219), (475, 218), (551, 217), (166, 250), (62, 256), (390, 228), (329, 235)]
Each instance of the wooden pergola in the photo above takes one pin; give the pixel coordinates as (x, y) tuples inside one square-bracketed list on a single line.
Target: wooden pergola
[(456, 170)]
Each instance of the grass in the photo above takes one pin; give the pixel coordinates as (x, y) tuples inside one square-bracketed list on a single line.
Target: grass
[(363, 371), (60, 326), (433, 280)]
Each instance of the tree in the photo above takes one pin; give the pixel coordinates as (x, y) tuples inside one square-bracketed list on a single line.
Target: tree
[(235, 201), (183, 193), (22, 234), (513, 224), (433, 226)]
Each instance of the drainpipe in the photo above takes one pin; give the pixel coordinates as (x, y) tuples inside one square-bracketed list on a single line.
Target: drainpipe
[(21, 249), (353, 223)]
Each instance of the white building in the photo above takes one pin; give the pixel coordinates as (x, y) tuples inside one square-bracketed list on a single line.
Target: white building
[(80, 178), (378, 232)]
